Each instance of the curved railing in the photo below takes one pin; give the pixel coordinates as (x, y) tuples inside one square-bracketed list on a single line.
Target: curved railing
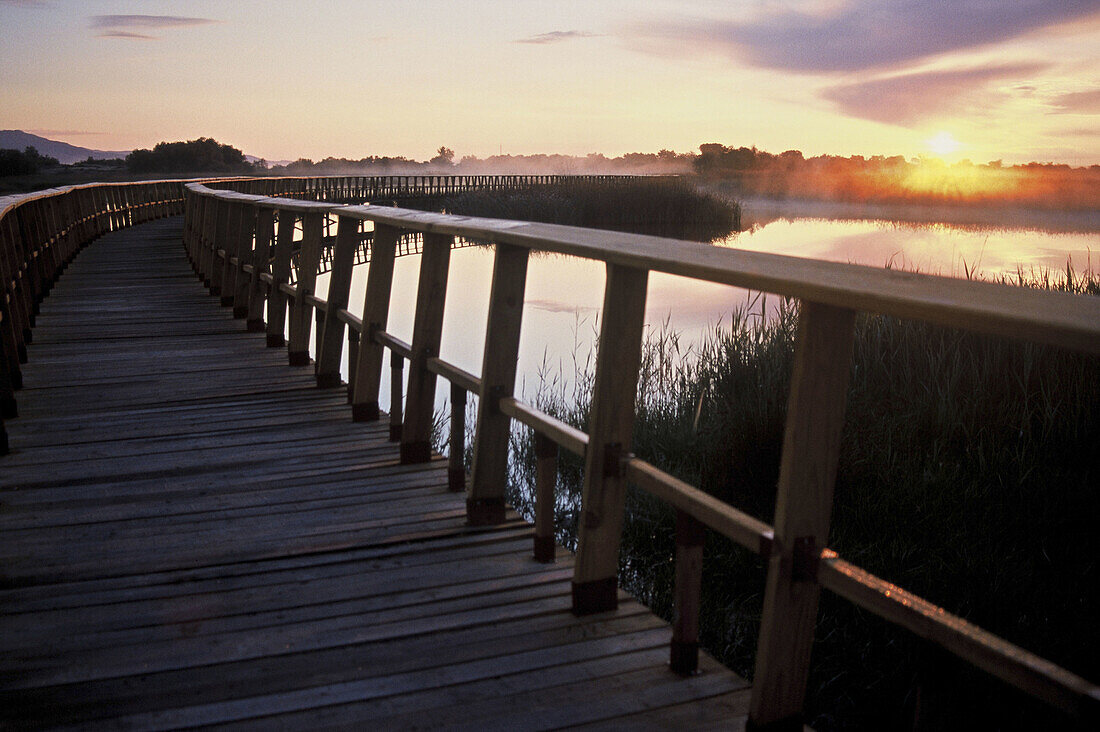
[(39, 234), (240, 245)]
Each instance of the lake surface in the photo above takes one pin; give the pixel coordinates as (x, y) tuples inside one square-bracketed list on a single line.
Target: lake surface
[(564, 294)]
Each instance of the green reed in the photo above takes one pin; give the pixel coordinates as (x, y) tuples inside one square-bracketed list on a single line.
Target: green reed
[(968, 475)]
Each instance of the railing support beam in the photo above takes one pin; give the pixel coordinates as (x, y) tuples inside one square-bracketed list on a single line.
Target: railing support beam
[(611, 420), (803, 512), (280, 275), (301, 321), (376, 307), (265, 223), (431, 296), (485, 500), (339, 283)]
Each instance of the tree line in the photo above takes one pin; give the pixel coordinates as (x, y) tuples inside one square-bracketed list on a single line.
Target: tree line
[(25, 162)]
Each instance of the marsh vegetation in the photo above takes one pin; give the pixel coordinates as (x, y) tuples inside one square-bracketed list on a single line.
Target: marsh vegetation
[(968, 476), (661, 206)]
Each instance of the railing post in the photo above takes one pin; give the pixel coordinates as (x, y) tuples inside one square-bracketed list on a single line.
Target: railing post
[(339, 283), (280, 275), (485, 502), (205, 256), (803, 511), (218, 239), (684, 649), (431, 296), (353, 358), (308, 256), (244, 254), (456, 459), (546, 479), (397, 369), (232, 238), (611, 420), (376, 306), (265, 223)]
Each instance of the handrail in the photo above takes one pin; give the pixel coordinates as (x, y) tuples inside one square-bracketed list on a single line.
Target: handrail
[(240, 245), (799, 563), (40, 233)]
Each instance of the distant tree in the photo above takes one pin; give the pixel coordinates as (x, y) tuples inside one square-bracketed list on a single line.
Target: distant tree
[(444, 156), (14, 162), (204, 155), (301, 165)]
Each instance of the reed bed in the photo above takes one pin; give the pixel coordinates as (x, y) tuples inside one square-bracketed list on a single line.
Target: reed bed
[(659, 206), (969, 475)]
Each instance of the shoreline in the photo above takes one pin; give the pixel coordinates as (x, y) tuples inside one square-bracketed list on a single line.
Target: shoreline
[(760, 211)]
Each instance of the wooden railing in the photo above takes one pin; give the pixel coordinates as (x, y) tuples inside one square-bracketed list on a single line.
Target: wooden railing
[(389, 188), (229, 237), (240, 245), (40, 233)]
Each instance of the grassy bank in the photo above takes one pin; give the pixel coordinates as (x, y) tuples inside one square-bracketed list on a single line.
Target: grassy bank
[(658, 206), (968, 475)]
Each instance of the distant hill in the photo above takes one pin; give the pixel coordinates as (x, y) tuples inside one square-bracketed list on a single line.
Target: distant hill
[(63, 151)]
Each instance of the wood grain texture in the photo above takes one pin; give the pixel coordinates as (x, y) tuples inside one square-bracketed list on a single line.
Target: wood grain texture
[(431, 299), (376, 310), (610, 424), (498, 380), (803, 509), (331, 332), (300, 315), (195, 535)]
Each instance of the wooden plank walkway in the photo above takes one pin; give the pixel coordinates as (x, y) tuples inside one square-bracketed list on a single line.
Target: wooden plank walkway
[(191, 533)]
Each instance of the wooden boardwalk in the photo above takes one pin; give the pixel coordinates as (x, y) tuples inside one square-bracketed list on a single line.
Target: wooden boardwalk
[(192, 533)]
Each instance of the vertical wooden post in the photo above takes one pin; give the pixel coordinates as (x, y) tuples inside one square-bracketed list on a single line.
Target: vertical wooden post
[(431, 296), (546, 479), (280, 275), (308, 256), (353, 358), (257, 289), (218, 242), (684, 649), (485, 502), (339, 283), (611, 420), (397, 368), (231, 236), (456, 460), (803, 511), (244, 253), (206, 240)]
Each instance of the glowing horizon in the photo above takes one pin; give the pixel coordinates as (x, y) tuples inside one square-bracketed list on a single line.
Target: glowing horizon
[(281, 81)]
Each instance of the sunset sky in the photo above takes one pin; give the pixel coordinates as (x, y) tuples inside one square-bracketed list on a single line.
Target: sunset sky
[(1017, 80)]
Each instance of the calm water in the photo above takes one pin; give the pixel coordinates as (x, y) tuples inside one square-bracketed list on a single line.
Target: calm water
[(564, 294)]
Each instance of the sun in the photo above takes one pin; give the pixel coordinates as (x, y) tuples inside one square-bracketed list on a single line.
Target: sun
[(943, 143)]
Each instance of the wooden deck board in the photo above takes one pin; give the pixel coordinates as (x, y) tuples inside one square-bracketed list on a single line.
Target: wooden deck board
[(194, 534)]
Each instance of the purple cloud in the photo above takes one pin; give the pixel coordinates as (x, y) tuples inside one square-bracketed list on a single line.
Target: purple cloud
[(1086, 102), (114, 26), (129, 35), (556, 37), (909, 98), (872, 34)]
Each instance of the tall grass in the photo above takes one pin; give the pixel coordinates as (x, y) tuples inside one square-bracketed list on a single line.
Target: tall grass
[(968, 474)]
